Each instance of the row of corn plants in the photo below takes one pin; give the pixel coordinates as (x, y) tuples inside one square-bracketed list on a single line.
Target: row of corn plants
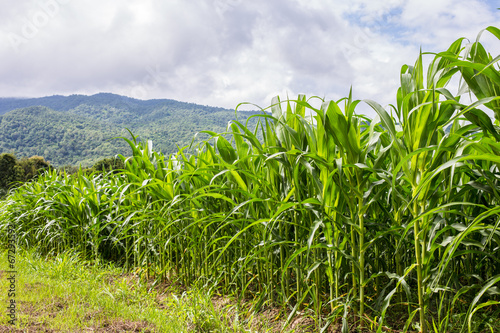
[(316, 209)]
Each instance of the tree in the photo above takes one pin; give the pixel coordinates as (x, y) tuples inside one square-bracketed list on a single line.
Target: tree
[(10, 171), (33, 166)]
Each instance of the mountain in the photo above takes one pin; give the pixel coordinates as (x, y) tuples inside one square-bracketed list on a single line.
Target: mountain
[(79, 129)]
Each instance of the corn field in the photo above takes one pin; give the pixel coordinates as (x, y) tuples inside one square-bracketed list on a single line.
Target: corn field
[(317, 210)]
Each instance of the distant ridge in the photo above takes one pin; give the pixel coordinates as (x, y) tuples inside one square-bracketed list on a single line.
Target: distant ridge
[(65, 103), (78, 129)]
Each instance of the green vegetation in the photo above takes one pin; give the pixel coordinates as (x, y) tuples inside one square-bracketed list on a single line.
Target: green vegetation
[(14, 172), (80, 129), (341, 217), (109, 164), (67, 294), (10, 171)]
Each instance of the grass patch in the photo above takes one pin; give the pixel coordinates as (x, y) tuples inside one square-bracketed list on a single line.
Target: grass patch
[(66, 294)]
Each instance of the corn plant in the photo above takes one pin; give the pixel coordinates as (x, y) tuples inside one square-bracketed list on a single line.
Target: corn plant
[(313, 209)]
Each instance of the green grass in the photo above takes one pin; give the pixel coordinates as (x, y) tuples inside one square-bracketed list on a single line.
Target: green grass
[(66, 294)]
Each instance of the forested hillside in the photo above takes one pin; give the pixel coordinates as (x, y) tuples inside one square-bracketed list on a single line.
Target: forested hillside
[(80, 129)]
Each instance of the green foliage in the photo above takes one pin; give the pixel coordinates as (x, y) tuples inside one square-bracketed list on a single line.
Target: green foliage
[(108, 164), (13, 172), (67, 294), (10, 171), (69, 169), (61, 139), (33, 166), (80, 129)]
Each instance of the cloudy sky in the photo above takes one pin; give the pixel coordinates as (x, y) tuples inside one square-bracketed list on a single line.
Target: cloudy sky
[(223, 52)]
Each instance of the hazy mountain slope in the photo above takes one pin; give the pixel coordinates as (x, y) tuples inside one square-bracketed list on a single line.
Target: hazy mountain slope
[(61, 139), (79, 129)]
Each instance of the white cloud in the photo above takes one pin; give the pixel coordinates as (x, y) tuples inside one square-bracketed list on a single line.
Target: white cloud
[(223, 52)]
